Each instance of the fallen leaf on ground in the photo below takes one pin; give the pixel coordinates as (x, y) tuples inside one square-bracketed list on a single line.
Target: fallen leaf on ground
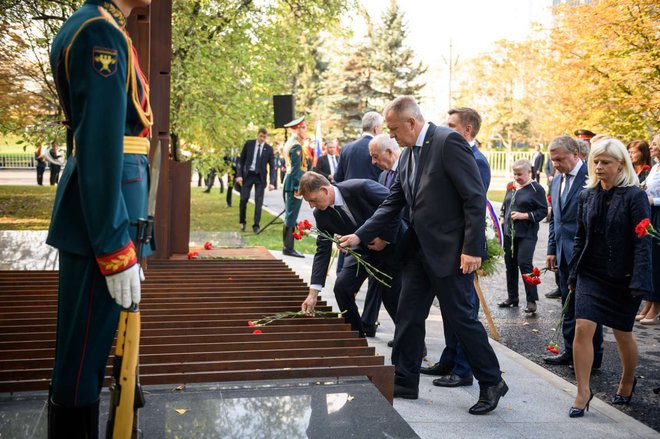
[(180, 411)]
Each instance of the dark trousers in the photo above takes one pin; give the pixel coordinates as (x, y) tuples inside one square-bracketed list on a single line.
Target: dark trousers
[(54, 174), (249, 181), (521, 259), (453, 353), (568, 326), (348, 284), (374, 298), (210, 181), (87, 320), (292, 209), (40, 174), (230, 189), (419, 287)]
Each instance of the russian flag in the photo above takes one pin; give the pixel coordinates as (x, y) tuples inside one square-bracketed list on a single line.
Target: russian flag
[(318, 150)]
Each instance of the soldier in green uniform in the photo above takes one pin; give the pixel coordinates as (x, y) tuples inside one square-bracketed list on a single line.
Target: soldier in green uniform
[(296, 166), (104, 186)]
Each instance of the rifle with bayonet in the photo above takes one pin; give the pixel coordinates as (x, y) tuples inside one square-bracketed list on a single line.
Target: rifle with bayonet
[(126, 393)]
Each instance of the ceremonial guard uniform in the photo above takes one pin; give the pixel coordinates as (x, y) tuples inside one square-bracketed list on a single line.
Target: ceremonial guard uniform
[(296, 166), (103, 188)]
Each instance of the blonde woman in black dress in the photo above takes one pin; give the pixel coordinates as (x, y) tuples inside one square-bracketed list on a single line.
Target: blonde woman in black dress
[(610, 268)]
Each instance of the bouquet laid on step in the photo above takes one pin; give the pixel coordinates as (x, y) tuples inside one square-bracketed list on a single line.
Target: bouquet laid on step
[(267, 320), (305, 228)]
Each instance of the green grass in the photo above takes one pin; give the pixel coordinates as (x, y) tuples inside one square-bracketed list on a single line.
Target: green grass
[(496, 196), (30, 207), (26, 207)]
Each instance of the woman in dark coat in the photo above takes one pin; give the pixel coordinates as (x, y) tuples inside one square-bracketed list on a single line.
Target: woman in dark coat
[(610, 269), (524, 206)]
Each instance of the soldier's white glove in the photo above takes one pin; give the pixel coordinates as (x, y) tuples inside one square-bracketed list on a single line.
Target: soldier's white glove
[(124, 287)]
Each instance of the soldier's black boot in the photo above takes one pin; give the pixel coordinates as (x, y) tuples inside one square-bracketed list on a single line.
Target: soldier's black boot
[(288, 249), (73, 422)]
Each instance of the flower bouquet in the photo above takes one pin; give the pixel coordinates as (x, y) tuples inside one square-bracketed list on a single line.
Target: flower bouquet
[(305, 227), (267, 320), (646, 228)]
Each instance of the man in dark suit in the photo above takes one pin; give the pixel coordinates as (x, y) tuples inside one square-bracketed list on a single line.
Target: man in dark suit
[(384, 153), (341, 209), (354, 160), (438, 180), (565, 194), (327, 164), (537, 163), (251, 171), (453, 366)]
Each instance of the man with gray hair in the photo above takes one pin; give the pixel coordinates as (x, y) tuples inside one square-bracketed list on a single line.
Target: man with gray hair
[(439, 182), (354, 158), (355, 162), (564, 195), (385, 154)]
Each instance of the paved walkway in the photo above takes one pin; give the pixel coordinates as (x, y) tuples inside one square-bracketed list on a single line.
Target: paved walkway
[(536, 405)]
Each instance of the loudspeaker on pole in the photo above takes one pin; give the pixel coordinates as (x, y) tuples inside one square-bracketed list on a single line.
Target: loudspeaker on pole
[(284, 109)]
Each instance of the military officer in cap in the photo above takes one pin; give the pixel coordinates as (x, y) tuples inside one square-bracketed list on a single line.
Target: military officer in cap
[(103, 189), (296, 166), (584, 135)]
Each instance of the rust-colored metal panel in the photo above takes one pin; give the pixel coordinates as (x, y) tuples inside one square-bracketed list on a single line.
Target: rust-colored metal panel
[(195, 328)]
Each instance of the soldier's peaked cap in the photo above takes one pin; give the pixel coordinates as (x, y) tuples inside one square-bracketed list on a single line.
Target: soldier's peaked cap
[(584, 134), (295, 122)]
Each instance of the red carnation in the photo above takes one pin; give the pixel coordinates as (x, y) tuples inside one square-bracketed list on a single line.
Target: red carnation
[(297, 235), (208, 245), (536, 271), (510, 187), (250, 323), (192, 255), (645, 168), (307, 224), (641, 229), (257, 331), (549, 198)]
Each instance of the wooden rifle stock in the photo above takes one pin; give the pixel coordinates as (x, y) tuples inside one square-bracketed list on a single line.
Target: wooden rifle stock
[(126, 394)]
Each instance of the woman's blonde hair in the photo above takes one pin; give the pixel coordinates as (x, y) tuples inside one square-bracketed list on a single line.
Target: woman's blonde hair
[(617, 150)]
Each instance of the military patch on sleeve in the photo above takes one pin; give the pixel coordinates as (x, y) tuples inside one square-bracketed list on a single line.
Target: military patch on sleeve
[(104, 61)]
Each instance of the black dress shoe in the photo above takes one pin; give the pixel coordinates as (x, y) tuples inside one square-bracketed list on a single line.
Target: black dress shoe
[(575, 412), (242, 227), (370, 330), (488, 398), (508, 303), (563, 359), (554, 294), (437, 369), (624, 400), (453, 380), (390, 344), (292, 252), (256, 229), (405, 392), (531, 308)]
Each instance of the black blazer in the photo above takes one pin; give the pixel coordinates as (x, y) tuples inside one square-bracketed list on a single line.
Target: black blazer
[(267, 158), (537, 167), (362, 197), (628, 255), (323, 165), (563, 220), (529, 199), (355, 161), (446, 210)]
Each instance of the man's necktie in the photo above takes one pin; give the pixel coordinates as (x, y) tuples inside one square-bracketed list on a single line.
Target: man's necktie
[(414, 160), (567, 187), (389, 178), (256, 163)]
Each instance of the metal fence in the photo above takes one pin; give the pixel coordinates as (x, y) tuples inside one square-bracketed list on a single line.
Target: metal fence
[(500, 161), (17, 161)]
